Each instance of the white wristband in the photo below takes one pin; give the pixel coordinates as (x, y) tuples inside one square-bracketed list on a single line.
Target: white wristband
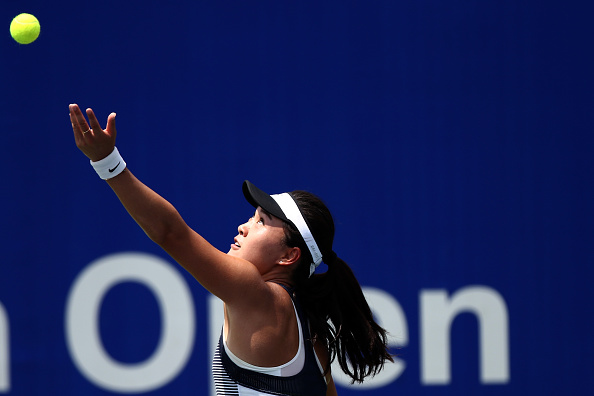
[(110, 166)]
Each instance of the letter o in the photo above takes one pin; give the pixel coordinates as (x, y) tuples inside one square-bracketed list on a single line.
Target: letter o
[(177, 317)]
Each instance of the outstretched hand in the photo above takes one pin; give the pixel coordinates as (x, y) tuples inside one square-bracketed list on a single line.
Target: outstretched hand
[(95, 142)]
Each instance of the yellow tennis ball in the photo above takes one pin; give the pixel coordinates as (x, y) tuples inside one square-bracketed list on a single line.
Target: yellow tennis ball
[(24, 28)]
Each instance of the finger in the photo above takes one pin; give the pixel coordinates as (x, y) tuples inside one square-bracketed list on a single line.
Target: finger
[(79, 118), (111, 125), (95, 126), (74, 126), (79, 123)]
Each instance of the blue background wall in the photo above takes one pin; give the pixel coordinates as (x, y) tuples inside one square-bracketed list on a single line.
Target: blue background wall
[(452, 140)]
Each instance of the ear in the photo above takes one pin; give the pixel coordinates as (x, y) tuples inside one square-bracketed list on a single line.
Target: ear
[(291, 256)]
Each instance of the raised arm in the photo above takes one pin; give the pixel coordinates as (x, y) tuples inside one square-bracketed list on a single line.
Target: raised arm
[(225, 276)]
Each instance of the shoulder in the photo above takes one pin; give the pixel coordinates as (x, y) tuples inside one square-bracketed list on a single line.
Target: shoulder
[(264, 335), (266, 303), (277, 302)]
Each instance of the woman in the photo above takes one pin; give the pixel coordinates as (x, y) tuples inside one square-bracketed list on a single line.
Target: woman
[(284, 325)]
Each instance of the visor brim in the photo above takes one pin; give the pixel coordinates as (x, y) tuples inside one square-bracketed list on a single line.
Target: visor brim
[(257, 197)]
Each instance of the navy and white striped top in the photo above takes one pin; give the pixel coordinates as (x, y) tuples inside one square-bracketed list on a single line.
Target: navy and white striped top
[(302, 376)]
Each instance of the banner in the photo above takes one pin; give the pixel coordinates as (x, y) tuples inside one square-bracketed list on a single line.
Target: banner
[(452, 142)]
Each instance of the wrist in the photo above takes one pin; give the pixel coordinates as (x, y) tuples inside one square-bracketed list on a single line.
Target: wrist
[(110, 166)]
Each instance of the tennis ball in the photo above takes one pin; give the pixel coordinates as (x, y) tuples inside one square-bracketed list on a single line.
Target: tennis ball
[(24, 28)]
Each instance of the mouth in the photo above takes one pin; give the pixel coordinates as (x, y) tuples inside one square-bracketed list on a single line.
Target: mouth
[(235, 245)]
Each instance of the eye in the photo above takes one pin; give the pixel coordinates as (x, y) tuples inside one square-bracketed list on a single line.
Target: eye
[(261, 221)]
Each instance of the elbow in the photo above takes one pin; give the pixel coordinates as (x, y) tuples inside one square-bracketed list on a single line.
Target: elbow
[(158, 232), (167, 236), (160, 235), (157, 237)]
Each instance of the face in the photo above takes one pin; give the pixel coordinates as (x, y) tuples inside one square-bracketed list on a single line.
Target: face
[(260, 241)]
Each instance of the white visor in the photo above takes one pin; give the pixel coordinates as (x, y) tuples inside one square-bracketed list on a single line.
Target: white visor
[(291, 211)]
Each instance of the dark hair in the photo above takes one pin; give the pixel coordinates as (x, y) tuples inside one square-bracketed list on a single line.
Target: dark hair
[(339, 315)]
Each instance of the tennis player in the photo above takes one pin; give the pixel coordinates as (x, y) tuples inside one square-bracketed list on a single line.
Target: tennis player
[(284, 324)]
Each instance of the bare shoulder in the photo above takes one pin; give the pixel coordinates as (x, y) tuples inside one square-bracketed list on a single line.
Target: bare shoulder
[(264, 335), (266, 305)]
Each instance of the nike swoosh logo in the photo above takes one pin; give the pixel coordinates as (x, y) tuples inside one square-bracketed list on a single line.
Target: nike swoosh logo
[(114, 168)]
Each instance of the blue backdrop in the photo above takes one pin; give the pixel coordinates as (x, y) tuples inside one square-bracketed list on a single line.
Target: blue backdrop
[(451, 139)]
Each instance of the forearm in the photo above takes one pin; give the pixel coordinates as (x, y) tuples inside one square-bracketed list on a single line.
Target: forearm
[(155, 215), (214, 269)]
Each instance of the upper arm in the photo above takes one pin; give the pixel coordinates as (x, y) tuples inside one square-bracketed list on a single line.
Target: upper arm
[(331, 388), (230, 278), (322, 355)]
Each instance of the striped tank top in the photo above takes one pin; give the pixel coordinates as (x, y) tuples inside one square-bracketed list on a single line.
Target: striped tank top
[(302, 376)]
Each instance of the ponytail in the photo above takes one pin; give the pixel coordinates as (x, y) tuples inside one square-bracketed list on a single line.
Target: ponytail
[(339, 316), (341, 319)]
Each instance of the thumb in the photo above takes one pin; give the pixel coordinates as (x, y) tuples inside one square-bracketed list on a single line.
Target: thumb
[(111, 125)]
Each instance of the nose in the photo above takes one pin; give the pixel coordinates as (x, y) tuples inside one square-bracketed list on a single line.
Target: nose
[(243, 228)]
